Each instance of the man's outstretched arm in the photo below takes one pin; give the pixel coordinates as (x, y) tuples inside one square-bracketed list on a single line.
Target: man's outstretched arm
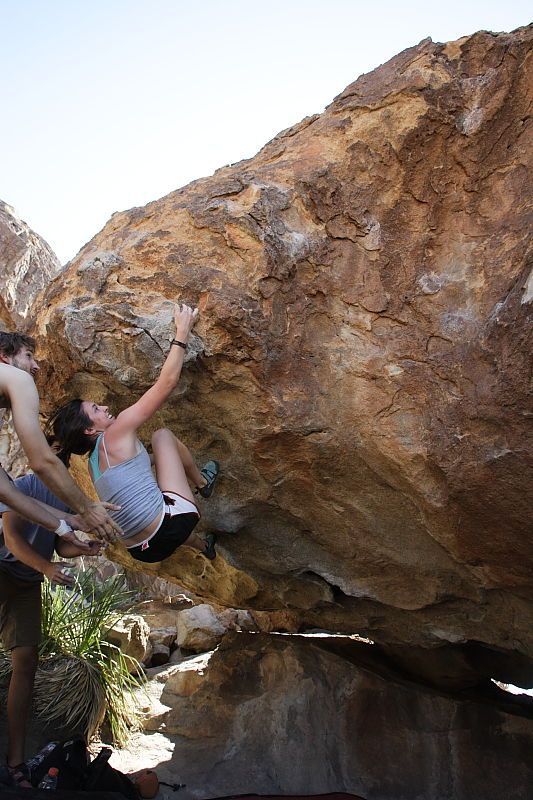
[(22, 393), (27, 507), (19, 547)]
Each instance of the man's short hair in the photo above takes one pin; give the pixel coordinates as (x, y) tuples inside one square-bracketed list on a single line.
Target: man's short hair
[(13, 343)]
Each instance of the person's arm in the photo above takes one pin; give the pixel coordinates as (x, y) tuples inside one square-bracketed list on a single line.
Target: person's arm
[(22, 393), (71, 519), (70, 549), (27, 507), (129, 420), (24, 552), (74, 520)]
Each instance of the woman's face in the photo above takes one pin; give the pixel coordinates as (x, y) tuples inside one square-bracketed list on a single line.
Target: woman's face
[(99, 415)]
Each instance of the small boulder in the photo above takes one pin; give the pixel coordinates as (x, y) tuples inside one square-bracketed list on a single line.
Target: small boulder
[(199, 629), (163, 636), (131, 633)]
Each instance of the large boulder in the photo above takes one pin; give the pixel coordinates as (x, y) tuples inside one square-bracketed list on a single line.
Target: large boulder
[(360, 365), (275, 715)]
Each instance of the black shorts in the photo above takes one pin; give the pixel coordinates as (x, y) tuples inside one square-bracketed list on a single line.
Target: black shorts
[(173, 532)]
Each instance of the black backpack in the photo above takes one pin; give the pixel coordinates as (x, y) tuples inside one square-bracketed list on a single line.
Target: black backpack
[(77, 771)]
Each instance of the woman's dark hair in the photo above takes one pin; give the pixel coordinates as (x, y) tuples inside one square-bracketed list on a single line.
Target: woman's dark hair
[(66, 429)]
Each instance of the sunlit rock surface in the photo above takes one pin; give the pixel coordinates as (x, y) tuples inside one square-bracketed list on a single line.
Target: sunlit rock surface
[(360, 365)]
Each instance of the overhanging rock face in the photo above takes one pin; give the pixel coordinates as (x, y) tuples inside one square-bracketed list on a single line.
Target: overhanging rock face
[(360, 365)]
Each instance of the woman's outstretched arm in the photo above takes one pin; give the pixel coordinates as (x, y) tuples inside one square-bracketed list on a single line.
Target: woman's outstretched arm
[(133, 417)]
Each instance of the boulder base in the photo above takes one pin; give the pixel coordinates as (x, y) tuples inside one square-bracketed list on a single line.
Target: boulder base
[(275, 715)]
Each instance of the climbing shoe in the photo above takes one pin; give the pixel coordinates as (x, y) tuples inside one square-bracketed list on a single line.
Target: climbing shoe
[(210, 472), (210, 551)]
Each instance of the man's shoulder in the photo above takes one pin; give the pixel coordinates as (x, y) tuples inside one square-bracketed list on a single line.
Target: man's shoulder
[(17, 388), (13, 376)]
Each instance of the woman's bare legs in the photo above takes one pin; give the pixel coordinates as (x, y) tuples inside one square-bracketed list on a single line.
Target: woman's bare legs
[(173, 465), (191, 470), (196, 541)]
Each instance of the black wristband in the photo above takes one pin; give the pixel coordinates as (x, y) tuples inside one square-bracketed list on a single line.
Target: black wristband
[(180, 344)]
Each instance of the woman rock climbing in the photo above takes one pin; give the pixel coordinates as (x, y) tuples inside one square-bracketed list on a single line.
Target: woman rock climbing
[(157, 514)]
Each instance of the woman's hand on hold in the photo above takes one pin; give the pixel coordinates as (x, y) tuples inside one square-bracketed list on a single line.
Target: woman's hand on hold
[(184, 318)]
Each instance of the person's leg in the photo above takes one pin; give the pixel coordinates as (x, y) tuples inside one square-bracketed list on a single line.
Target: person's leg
[(174, 464), (171, 473), (20, 627), (206, 546), (24, 665), (196, 541)]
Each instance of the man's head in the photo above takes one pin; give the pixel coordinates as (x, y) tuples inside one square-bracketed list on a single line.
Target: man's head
[(18, 350)]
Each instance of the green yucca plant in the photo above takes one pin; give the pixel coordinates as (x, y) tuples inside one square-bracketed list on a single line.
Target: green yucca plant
[(93, 677), (82, 679)]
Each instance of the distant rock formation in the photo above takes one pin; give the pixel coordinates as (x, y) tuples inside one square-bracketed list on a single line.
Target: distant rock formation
[(28, 265), (360, 366)]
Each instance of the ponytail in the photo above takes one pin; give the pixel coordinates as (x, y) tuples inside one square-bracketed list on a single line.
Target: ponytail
[(65, 431)]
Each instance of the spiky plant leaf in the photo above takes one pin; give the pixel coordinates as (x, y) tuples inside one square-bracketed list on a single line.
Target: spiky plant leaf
[(74, 624)]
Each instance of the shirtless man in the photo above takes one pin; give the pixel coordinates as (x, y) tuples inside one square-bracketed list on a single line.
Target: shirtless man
[(19, 394), (26, 549)]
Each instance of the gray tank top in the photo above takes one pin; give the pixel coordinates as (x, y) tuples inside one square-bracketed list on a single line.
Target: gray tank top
[(130, 485)]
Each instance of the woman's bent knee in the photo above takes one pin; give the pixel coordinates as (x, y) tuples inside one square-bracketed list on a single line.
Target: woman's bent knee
[(162, 434)]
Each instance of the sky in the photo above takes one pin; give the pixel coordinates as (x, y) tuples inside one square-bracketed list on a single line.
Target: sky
[(109, 104)]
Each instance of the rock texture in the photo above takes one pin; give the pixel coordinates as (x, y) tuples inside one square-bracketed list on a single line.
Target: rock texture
[(200, 628), (360, 366), (290, 718), (132, 634), (28, 265), (12, 457)]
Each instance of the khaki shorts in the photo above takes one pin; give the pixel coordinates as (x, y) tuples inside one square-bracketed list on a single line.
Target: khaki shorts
[(20, 611)]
